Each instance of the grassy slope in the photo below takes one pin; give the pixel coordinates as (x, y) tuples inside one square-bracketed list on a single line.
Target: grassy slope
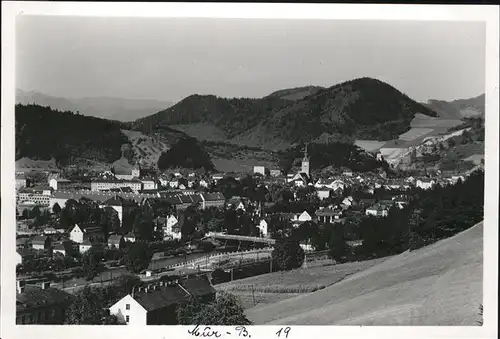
[(437, 285)]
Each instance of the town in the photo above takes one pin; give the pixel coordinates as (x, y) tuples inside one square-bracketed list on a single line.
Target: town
[(177, 228)]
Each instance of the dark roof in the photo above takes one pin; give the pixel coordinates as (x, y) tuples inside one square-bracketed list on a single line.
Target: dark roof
[(216, 196), (39, 239), (170, 295), (198, 287), (121, 189), (163, 297), (88, 227), (34, 296), (327, 211), (115, 238)]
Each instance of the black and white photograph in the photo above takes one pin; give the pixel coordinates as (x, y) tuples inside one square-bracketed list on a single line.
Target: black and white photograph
[(232, 172)]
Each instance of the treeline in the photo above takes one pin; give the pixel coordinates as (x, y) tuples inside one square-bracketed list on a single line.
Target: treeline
[(432, 215), (186, 153), (44, 133)]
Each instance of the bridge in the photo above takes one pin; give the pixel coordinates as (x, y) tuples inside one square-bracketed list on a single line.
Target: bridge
[(222, 236)]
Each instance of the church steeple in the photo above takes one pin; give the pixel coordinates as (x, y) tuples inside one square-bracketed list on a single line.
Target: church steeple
[(305, 162)]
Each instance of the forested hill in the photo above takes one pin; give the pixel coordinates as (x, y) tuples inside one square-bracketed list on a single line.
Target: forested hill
[(44, 133), (364, 108)]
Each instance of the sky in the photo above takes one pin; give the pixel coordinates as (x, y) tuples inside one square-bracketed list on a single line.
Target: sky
[(172, 58)]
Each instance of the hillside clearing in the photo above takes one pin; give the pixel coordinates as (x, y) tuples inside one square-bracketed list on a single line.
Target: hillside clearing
[(440, 284), (369, 145)]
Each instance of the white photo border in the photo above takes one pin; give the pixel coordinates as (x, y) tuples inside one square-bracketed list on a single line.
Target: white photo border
[(487, 14)]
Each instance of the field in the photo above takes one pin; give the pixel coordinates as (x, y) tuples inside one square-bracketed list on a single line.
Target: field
[(369, 145), (415, 133), (145, 147), (27, 164), (476, 158), (422, 126), (202, 131), (441, 284), (283, 285)]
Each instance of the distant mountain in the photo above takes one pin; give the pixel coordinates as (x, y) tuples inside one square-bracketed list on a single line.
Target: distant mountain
[(120, 109), (363, 108), (459, 109)]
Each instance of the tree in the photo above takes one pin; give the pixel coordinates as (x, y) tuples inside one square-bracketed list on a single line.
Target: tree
[(226, 310), (56, 208), (86, 309), (137, 257), (337, 246), (288, 254), (91, 261)]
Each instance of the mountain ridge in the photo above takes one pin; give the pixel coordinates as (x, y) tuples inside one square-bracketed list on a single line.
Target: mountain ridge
[(364, 107)]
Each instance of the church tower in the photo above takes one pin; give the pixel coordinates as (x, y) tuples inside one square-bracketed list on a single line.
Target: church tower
[(305, 163), (136, 171)]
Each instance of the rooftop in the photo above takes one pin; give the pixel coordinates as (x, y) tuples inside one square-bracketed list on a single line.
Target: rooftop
[(34, 296)]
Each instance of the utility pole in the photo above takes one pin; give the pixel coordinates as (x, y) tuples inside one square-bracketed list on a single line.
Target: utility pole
[(271, 265), (231, 274), (253, 295)]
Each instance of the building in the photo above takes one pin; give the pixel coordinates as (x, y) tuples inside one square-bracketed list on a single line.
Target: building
[(59, 248), (323, 194), (216, 199), (260, 170), (108, 184), (40, 242), (60, 183), (157, 304), (263, 228), (377, 210), (328, 215), (171, 227), (120, 205), (128, 174), (115, 241), (21, 181), (275, 172), (26, 195), (41, 304), (425, 183), (300, 218), (149, 184), (84, 246), (82, 232), (129, 237)]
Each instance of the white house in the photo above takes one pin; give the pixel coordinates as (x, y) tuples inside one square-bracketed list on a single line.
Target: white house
[(129, 311), (130, 237), (171, 229), (263, 228), (79, 233), (84, 246), (203, 183), (323, 194), (425, 184), (173, 183), (348, 201), (259, 169), (59, 248), (18, 258), (337, 185), (300, 218), (377, 210), (149, 184), (58, 183)]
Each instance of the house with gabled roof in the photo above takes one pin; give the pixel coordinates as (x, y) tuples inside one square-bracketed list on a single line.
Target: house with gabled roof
[(40, 242), (156, 304), (86, 231), (377, 210), (115, 241)]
